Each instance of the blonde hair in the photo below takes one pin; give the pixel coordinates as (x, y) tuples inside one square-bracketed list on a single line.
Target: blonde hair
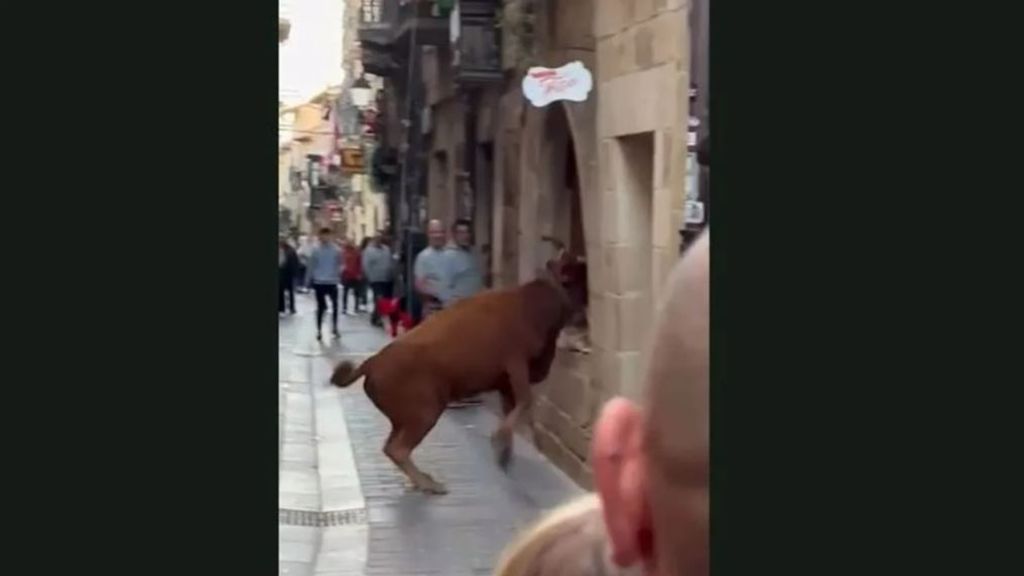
[(570, 540)]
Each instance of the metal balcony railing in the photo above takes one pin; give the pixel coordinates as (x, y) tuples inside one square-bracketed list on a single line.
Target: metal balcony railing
[(376, 20)]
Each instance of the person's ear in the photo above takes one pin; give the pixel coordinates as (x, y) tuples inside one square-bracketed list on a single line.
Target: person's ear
[(620, 476)]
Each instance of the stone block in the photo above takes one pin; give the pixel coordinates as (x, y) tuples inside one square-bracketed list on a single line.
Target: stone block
[(610, 16), (642, 10), (622, 264), (671, 37), (569, 391), (575, 437), (630, 103), (626, 215), (643, 42), (631, 316), (629, 320), (672, 87), (574, 23), (562, 457), (620, 373), (607, 60), (663, 233)]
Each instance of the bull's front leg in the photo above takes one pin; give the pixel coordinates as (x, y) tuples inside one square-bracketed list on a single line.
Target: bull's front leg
[(522, 399)]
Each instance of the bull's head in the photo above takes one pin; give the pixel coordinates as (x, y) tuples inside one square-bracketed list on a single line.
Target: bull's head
[(569, 271)]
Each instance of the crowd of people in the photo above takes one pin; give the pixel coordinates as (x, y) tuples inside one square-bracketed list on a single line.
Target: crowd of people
[(446, 271)]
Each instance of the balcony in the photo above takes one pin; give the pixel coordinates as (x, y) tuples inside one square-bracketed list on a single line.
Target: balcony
[(378, 63), (376, 24), (477, 58), (423, 19)]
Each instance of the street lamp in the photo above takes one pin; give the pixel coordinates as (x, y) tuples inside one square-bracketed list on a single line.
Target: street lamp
[(361, 92)]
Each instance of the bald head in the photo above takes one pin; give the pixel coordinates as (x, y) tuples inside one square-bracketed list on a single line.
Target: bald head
[(676, 429), (436, 233), (651, 463), (677, 379)]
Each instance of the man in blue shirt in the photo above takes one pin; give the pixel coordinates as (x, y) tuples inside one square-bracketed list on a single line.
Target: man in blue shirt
[(463, 278), (324, 271), (464, 275)]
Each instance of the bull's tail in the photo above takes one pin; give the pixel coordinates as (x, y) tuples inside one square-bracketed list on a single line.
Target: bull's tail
[(346, 373)]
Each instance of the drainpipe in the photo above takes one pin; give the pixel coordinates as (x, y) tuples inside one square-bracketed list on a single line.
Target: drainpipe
[(467, 193)]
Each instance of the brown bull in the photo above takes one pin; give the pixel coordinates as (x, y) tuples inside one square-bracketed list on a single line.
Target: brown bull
[(500, 340)]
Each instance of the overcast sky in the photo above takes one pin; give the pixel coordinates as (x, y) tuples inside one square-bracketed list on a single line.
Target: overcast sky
[(310, 60)]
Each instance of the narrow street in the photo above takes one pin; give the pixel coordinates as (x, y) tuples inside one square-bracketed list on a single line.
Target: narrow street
[(344, 509)]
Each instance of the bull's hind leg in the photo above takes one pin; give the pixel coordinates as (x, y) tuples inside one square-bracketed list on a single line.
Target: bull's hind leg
[(404, 438)]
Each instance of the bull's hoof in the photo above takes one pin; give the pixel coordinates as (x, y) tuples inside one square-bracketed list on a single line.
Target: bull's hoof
[(432, 486), (502, 446)]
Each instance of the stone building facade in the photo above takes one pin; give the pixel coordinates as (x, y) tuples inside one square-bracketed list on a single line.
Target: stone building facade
[(606, 176)]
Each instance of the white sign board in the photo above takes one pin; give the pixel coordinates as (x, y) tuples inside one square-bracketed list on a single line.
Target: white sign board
[(572, 82), (694, 212), (692, 173)]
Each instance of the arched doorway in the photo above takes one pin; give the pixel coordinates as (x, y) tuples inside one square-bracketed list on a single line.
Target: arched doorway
[(557, 211)]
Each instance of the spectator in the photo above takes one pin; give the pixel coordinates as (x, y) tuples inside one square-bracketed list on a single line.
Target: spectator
[(464, 278), (324, 273), (464, 274), (650, 464), (379, 269), (287, 276), (430, 270)]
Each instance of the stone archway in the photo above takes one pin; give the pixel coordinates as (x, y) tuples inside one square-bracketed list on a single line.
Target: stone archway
[(552, 201)]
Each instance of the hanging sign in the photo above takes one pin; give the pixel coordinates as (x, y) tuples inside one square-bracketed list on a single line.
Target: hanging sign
[(572, 82), (352, 160)]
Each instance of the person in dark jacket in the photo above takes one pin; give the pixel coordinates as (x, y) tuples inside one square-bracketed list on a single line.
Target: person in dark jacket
[(287, 275)]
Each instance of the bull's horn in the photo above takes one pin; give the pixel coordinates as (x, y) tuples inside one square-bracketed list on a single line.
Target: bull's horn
[(558, 243)]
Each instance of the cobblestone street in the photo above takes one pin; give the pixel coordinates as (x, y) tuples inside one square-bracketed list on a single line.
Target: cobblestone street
[(344, 507)]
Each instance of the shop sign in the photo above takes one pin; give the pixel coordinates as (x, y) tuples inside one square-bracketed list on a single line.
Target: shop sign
[(571, 82), (352, 161)]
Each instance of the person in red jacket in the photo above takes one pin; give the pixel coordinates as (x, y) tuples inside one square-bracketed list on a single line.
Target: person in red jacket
[(351, 276)]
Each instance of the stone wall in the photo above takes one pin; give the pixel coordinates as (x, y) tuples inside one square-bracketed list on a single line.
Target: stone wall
[(630, 139), (642, 85)]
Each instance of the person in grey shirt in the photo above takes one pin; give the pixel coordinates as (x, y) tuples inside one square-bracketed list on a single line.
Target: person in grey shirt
[(430, 271), (465, 277), (379, 270), (324, 271)]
